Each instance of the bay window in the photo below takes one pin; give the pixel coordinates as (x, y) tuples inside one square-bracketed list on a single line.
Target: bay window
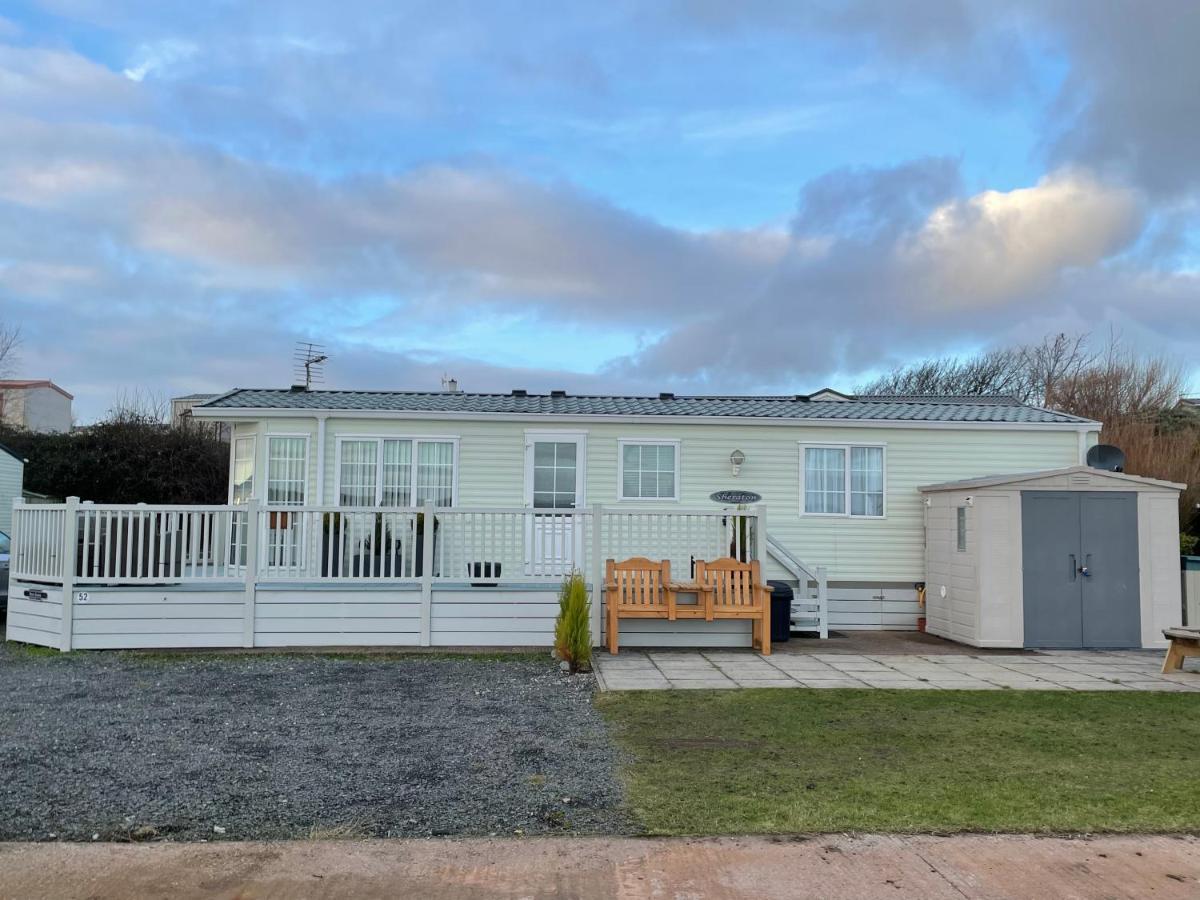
[(400, 472), (842, 479)]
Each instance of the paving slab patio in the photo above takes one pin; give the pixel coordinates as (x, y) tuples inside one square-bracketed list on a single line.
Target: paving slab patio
[(1099, 670)]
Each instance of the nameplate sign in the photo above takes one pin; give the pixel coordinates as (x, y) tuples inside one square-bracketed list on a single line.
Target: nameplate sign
[(735, 498)]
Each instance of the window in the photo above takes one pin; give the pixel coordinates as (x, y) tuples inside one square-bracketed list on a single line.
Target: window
[(383, 472), (842, 480), (962, 528), (287, 470), (555, 473), (241, 472), (649, 470)]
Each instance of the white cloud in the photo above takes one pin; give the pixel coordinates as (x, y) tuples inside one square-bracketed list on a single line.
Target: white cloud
[(985, 249)]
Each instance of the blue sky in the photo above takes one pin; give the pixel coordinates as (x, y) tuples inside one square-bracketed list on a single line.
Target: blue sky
[(692, 195)]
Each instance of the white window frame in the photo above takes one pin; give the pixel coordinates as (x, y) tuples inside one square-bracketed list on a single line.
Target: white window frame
[(833, 445), (266, 488), (415, 439), (645, 442), (253, 439)]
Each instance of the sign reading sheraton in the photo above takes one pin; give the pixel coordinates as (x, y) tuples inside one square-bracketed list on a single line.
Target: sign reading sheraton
[(736, 498)]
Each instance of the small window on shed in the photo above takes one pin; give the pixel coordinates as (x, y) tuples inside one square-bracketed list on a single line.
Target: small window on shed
[(962, 528)]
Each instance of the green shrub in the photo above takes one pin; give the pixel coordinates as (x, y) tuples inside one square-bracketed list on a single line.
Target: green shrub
[(572, 628), (1187, 544)]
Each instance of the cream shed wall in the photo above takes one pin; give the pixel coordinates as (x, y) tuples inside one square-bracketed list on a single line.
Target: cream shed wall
[(491, 471), (984, 602)]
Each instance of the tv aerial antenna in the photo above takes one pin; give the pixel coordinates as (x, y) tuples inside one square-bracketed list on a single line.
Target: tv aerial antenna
[(308, 363)]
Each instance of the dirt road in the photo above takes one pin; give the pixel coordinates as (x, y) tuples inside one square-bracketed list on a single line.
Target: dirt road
[(834, 867)]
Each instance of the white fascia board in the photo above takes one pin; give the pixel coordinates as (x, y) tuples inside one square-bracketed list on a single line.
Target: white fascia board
[(230, 413)]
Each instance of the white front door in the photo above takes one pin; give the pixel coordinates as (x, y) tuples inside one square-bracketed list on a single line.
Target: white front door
[(554, 481)]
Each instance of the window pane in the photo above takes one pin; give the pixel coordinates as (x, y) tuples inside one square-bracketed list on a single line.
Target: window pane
[(286, 474), (243, 469), (866, 481), (435, 472), (564, 479), (543, 479), (357, 473), (631, 455), (825, 480), (962, 527), (666, 459), (565, 454), (666, 484), (397, 473)]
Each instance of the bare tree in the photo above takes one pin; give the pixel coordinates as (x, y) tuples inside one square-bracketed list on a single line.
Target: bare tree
[(1030, 373), (10, 343), (138, 405), (1118, 384)]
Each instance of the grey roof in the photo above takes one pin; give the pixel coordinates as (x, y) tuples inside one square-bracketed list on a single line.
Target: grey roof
[(1017, 477), (925, 409), (207, 396)]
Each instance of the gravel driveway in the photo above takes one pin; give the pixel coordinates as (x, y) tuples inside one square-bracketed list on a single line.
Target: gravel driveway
[(123, 745)]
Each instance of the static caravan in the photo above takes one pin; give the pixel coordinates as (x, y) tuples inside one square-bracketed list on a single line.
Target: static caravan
[(450, 519)]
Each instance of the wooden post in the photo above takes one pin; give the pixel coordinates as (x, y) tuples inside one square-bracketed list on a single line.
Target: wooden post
[(823, 600), (67, 564), (597, 573), (427, 538), (254, 513)]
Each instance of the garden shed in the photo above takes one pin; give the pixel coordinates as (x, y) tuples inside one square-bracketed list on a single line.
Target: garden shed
[(1068, 558)]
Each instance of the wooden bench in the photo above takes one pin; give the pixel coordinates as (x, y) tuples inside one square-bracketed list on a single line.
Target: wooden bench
[(1185, 642), (641, 588)]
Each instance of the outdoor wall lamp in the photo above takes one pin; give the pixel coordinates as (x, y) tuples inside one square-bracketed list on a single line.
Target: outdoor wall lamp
[(736, 459)]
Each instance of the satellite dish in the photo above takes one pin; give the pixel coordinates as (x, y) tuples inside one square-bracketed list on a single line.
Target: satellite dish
[(1106, 457)]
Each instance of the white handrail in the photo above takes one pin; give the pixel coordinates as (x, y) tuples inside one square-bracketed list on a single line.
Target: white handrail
[(146, 544)]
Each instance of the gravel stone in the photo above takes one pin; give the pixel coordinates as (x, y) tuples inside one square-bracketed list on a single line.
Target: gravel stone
[(234, 747)]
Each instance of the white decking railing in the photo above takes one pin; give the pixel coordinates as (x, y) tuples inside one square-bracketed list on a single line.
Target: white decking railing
[(94, 544), (103, 576)]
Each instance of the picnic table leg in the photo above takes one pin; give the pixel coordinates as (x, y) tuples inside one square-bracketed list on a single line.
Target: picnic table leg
[(1174, 660), (612, 628), (764, 632)]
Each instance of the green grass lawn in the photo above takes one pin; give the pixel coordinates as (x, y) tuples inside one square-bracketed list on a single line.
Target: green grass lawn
[(745, 761)]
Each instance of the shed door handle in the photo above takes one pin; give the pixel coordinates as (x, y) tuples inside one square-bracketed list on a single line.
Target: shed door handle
[(1074, 568), (1087, 566)]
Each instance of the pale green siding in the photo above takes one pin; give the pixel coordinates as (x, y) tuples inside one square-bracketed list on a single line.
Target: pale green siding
[(11, 474), (491, 473)]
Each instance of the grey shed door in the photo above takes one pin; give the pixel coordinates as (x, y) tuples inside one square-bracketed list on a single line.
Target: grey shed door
[(1080, 554)]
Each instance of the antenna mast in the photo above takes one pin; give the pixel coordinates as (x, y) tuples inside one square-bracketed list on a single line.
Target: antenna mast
[(308, 361)]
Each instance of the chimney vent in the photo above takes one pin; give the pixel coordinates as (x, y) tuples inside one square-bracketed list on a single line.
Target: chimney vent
[(666, 395), (520, 392), (299, 388), (558, 393)]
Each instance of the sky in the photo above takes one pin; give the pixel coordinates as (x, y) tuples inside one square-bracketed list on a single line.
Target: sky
[(617, 197)]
